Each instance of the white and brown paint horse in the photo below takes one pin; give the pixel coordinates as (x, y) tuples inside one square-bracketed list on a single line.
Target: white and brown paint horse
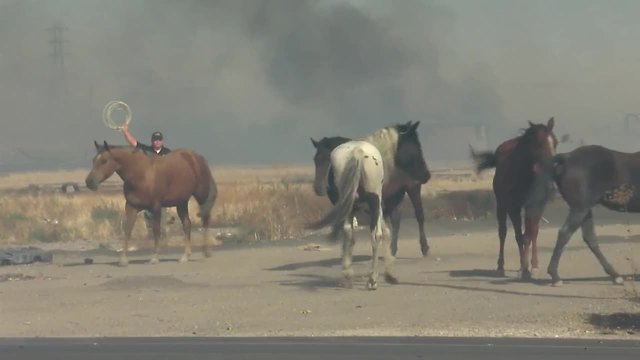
[(358, 170), (405, 168)]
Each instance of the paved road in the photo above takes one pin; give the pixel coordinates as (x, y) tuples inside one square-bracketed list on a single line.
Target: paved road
[(316, 348)]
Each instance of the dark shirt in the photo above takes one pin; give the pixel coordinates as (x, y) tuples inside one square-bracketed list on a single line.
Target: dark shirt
[(149, 149)]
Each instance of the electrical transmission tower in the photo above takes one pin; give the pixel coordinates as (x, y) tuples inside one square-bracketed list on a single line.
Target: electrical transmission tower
[(631, 121), (59, 89)]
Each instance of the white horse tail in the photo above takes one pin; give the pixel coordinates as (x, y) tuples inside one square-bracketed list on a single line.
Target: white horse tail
[(347, 188)]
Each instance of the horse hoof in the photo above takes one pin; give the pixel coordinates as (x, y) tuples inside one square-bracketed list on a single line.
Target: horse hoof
[(425, 250), (534, 273), (390, 279), (207, 254), (394, 251), (557, 283), (372, 285), (154, 261), (618, 280), (501, 273), (525, 275), (123, 263), (184, 259)]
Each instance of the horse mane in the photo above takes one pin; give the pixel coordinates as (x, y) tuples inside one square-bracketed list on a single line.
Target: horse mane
[(133, 149), (123, 147), (333, 141), (102, 147), (527, 134), (386, 140), (527, 138)]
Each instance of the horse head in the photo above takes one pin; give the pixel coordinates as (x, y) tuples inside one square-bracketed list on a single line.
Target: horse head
[(322, 160), (409, 156), (540, 144), (104, 165), (540, 141)]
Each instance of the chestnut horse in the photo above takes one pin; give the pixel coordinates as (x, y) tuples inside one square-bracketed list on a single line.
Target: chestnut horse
[(154, 182), (519, 183)]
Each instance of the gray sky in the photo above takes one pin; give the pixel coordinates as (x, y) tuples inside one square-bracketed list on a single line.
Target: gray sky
[(248, 81)]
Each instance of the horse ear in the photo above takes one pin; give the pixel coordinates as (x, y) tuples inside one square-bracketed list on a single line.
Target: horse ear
[(550, 124), (315, 143), (530, 123), (106, 146), (97, 145), (415, 126)]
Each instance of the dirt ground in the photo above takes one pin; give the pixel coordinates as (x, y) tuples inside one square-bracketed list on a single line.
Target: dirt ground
[(281, 289)]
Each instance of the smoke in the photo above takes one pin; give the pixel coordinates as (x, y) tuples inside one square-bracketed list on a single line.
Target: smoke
[(240, 81)]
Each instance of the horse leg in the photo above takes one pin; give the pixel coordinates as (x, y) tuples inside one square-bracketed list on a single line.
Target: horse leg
[(347, 253), (394, 217), (416, 200), (206, 246), (337, 231), (523, 248), (375, 227), (183, 214), (574, 220), (156, 214), (589, 236), (372, 284), (535, 268), (148, 222), (501, 213), (531, 228), (130, 215), (388, 257)]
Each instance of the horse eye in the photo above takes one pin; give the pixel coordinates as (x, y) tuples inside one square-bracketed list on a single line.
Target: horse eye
[(103, 161)]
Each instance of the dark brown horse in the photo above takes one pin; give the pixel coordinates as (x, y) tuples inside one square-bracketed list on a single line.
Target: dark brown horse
[(519, 183), (153, 182), (394, 189), (585, 177)]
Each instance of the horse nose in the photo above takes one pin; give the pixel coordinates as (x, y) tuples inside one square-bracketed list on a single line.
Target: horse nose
[(91, 185), (427, 177)]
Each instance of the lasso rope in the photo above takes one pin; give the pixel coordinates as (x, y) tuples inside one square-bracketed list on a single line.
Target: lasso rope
[(109, 108)]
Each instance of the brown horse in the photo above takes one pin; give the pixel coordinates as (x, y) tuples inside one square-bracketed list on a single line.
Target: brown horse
[(519, 183), (153, 182)]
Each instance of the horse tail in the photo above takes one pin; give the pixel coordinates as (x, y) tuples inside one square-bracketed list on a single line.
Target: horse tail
[(347, 191), (205, 207), (483, 160)]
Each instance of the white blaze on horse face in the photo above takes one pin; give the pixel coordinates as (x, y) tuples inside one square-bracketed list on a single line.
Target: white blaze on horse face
[(551, 143), (99, 157)]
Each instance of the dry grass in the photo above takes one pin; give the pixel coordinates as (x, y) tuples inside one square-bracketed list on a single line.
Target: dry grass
[(259, 203)]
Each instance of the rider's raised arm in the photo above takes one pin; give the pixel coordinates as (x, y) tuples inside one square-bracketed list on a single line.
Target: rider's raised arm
[(127, 135)]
